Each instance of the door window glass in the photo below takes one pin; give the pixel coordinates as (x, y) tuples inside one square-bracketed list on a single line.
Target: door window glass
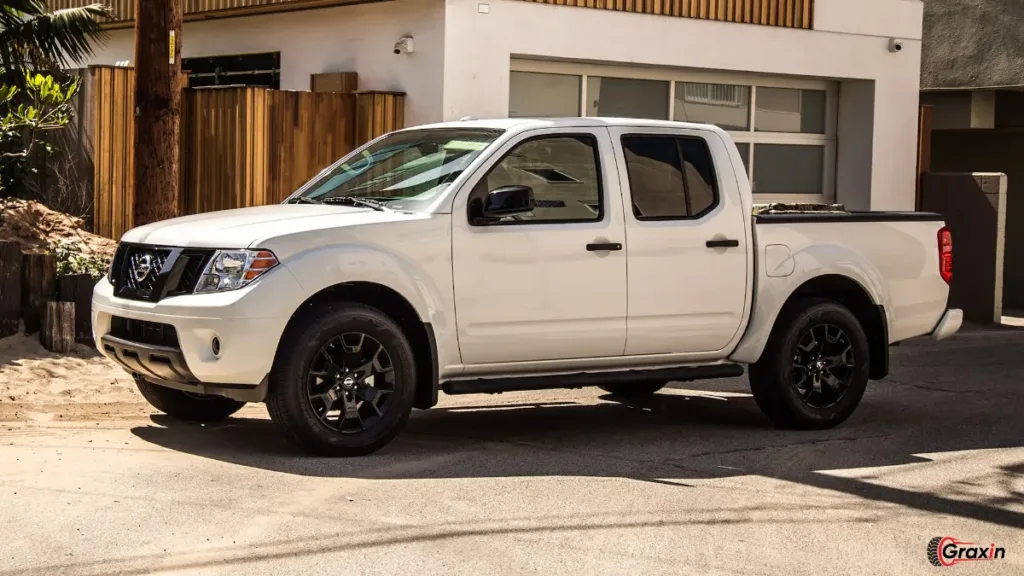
[(669, 178), (563, 173)]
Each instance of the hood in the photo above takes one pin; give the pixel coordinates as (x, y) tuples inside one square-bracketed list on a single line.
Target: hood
[(248, 227)]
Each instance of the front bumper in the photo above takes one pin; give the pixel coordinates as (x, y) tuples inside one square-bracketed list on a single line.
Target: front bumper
[(248, 324), (951, 322)]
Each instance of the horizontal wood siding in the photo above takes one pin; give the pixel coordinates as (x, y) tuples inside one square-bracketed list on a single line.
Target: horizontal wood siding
[(786, 13), (124, 10)]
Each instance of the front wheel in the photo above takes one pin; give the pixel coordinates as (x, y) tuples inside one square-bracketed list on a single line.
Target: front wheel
[(343, 384), (185, 405), (814, 370)]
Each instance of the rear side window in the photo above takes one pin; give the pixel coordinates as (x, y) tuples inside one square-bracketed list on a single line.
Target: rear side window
[(670, 177)]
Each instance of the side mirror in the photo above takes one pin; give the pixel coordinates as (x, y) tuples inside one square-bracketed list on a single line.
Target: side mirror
[(508, 201)]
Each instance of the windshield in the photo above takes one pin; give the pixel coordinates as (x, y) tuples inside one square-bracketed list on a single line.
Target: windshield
[(403, 171)]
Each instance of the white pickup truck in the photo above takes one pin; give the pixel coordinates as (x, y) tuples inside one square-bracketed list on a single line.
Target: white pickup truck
[(493, 256)]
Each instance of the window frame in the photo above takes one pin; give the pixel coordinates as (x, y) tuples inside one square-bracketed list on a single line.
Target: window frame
[(592, 138), (715, 186), (828, 140)]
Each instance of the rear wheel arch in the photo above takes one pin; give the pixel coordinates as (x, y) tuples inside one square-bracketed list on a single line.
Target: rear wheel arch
[(851, 294), (395, 306)]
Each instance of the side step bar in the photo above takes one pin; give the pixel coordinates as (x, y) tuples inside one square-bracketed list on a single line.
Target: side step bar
[(585, 379)]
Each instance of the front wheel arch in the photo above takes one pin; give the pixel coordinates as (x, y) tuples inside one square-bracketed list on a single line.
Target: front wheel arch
[(395, 306)]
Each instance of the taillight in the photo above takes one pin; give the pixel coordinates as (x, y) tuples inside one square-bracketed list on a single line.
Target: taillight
[(946, 254)]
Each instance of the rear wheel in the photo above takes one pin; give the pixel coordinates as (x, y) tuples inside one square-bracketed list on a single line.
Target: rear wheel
[(634, 390), (186, 405), (814, 370), (343, 384)]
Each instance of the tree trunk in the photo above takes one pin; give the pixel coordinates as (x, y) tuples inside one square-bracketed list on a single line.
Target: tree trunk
[(39, 286), (10, 288), (58, 329), (77, 288), (157, 109)]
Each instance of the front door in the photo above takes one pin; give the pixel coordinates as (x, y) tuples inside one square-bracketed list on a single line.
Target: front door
[(543, 285), (685, 242)]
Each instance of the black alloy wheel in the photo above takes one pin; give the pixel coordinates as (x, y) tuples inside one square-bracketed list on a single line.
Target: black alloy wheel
[(823, 365), (350, 382)]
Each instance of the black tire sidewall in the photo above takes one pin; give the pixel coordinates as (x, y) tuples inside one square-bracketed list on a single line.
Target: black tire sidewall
[(182, 406), (289, 386), (811, 316)]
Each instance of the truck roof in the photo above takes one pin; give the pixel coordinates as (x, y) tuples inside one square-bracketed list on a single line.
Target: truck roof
[(522, 124)]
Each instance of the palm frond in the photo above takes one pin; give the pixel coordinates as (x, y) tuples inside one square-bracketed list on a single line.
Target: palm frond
[(62, 36)]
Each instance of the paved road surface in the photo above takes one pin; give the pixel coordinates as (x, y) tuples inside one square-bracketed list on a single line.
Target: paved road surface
[(546, 483)]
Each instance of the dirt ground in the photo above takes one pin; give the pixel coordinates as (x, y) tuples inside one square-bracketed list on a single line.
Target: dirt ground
[(692, 481), (38, 385)]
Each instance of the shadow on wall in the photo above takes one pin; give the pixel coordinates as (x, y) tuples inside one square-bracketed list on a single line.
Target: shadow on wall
[(974, 208), (992, 151)]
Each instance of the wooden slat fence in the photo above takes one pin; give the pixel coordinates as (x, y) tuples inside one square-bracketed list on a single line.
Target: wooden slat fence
[(240, 146), (785, 13), (113, 92)]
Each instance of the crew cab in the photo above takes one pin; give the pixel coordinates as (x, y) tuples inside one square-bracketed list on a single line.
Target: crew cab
[(511, 254)]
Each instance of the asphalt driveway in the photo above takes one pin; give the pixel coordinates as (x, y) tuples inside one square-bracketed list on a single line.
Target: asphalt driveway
[(692, 481)]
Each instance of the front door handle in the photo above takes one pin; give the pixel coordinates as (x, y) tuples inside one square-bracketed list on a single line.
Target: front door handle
[(725, 243), (606, 247)]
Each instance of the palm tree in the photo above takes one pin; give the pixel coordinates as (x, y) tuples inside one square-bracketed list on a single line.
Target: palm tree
[(33, 37)]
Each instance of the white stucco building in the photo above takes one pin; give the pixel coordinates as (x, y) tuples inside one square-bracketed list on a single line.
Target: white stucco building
[(823, 106)]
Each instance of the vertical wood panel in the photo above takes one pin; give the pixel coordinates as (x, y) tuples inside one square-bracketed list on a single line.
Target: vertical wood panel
[(786, 13), (789, 13)]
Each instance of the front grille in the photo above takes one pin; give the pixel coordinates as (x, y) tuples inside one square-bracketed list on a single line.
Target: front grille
[(143, 269), (144, 332), (150, 273)]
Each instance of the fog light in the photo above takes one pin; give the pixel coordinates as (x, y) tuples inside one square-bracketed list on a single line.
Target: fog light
[(216, 346)]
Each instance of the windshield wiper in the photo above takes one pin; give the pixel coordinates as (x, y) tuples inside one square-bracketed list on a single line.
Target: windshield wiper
[(303, 200), (353, 201)]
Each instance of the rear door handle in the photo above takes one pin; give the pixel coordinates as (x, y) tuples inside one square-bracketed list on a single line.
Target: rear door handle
[(723, 244), (608, 247)]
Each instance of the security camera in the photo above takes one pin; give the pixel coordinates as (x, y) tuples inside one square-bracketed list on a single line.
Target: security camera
[(895, 45), (404, 45)]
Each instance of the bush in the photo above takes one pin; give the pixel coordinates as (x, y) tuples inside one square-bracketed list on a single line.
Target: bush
[(72, 260)]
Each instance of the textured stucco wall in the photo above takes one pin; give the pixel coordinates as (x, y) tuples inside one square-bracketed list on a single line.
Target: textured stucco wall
[(973, 44)]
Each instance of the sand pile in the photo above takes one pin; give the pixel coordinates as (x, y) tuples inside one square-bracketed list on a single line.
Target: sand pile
[(29, 374), (35, 226)]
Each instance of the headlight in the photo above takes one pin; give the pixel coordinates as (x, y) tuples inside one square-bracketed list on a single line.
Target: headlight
[(233, 269)]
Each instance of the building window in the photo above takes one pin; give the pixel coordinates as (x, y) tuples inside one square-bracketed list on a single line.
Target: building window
[(794, 111), (238, 70), (723, 105), (788, 169), (784, 129), (536, 95), (627, 98)]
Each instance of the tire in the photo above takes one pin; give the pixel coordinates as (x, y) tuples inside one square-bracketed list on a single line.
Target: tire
[(774, 378), (185, 406), (634, 390), (305, 417)]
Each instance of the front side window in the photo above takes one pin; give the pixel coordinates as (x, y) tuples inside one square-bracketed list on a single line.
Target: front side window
[(562, 171), (669, 177), (403, 170)]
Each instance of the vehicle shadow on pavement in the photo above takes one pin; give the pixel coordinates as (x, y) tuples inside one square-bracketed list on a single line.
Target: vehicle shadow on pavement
[(938, 399)]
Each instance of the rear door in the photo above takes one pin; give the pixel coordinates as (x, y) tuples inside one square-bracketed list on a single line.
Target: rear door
[(549, 285), (685, 241)]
